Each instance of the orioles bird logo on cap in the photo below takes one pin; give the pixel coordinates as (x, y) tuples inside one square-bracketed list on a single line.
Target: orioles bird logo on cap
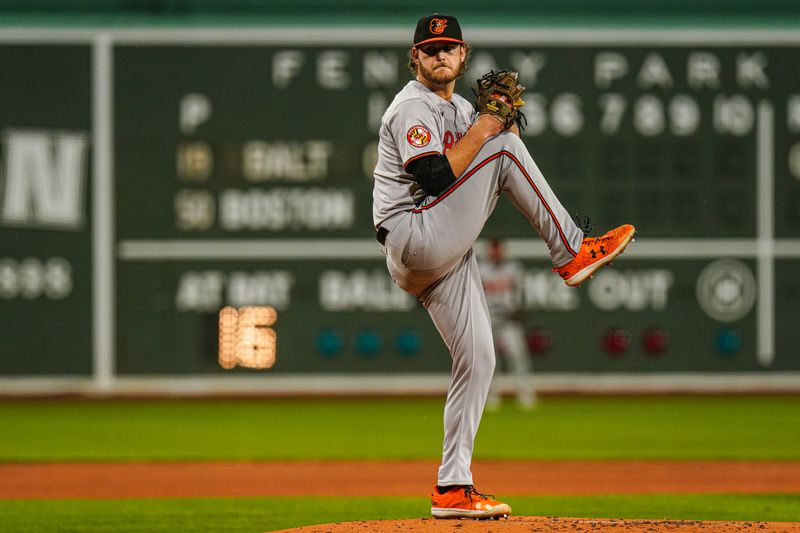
[(438, 25)]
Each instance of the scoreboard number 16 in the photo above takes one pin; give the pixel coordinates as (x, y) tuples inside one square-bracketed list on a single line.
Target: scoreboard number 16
[(246, 338)]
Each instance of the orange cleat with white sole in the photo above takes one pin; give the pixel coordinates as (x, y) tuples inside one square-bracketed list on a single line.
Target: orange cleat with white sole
[(466, 502), (594, 253)]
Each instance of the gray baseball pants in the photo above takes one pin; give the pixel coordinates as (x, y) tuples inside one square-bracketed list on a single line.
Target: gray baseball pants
[(429, 255)]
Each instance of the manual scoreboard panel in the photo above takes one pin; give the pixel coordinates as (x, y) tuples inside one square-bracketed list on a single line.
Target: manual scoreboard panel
[(242, 177)]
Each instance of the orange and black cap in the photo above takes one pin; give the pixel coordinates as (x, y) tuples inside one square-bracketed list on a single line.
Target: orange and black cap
[(436, 28)]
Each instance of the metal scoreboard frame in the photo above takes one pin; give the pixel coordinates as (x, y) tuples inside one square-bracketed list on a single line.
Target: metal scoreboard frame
[(763, 249)]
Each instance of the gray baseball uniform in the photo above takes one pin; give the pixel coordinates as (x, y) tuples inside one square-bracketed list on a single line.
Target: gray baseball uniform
[(501, 281), (429, 242)]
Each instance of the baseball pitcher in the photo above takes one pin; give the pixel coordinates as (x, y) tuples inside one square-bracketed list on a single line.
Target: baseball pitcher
[(442, 165)]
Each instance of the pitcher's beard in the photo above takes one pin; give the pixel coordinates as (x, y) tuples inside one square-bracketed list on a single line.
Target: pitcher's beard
[(442, 77)]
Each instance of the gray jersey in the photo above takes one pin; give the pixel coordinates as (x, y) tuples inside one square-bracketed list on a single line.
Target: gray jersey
[(428, 243), (418, 123)]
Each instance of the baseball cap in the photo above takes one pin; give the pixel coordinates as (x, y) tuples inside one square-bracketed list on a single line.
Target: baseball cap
[(437, 27)]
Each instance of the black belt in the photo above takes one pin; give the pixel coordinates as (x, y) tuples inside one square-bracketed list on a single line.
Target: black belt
[(381, 236)]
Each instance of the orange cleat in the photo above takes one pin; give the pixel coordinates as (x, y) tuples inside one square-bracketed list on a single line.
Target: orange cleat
[(466, 502), (594, 253)]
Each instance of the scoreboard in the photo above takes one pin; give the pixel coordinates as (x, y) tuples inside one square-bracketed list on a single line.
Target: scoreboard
[(241, 175)]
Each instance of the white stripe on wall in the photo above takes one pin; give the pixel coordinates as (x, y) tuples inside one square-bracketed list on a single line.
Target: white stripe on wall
[(344, 249), (399, 36), (765, 309), (419, 383), (102, 214)]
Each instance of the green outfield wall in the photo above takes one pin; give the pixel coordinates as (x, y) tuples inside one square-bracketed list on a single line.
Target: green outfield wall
[(151, 176)]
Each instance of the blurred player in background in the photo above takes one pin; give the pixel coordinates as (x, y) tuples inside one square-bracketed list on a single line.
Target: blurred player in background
[(501, 280)]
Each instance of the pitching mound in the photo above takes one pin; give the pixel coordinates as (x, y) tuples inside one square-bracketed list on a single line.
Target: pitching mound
[(549, 524)]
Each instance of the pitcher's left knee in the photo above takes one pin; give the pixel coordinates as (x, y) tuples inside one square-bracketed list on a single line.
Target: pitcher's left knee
[(506, 141)]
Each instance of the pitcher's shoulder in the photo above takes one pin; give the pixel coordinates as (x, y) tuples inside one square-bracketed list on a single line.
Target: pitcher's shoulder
[(410, 100)]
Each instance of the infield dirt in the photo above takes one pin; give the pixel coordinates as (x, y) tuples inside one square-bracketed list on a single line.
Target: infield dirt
[(408, 478), (529, 524), (415, 478)]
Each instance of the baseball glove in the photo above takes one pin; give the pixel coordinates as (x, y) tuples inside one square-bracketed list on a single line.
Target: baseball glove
[(498, 93)]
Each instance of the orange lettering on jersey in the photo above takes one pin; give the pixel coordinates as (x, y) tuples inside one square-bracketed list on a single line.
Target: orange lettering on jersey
[(438, 25), (450, 140), (418, 136)]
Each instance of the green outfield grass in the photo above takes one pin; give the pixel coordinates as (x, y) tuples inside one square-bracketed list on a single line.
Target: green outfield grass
[(252, 515), (661, 427)]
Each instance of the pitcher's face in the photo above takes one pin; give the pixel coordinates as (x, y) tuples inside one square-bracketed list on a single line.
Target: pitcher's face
[(440, 63)]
